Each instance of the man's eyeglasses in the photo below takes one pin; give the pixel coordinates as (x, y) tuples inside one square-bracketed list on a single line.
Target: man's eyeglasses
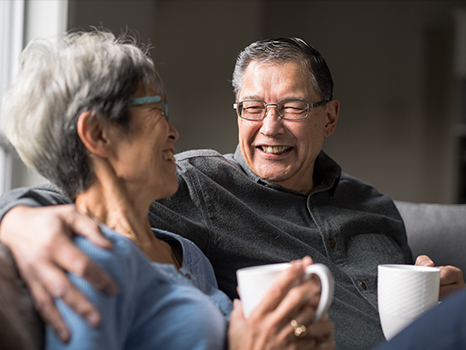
[(287, 109), (150, 99)]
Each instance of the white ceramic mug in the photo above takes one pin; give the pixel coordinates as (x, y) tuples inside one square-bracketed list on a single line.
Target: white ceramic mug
[(404, 293), (254, 282)]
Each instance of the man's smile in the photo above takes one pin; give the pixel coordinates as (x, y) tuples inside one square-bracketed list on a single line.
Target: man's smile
[(275, 149)]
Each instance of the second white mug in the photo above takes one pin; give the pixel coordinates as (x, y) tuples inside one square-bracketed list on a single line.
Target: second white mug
[(404, 293)]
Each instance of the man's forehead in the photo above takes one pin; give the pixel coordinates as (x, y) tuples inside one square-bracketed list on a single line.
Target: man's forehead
[(260, 76)]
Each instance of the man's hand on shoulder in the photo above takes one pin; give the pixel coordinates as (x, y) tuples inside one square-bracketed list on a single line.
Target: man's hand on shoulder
[(40, 240), (451, 277)]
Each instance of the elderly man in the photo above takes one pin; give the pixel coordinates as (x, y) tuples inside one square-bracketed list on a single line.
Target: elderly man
[(277, 198)]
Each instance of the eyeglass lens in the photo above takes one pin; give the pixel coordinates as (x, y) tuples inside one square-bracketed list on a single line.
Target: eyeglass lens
[(292, 109)]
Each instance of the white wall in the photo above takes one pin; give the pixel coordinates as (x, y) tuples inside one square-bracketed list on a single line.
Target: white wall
[(392, 64), (196, 43)]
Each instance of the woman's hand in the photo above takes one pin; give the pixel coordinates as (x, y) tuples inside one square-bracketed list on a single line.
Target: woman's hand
[(269, 325), (39, 239)]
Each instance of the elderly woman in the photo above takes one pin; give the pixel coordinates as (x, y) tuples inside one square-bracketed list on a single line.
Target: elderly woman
[(89, 115)]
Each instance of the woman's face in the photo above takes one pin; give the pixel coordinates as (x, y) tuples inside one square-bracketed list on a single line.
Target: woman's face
[(144, 158)]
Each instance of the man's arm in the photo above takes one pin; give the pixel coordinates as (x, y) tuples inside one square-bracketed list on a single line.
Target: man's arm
[(38, 196), (39, 239)]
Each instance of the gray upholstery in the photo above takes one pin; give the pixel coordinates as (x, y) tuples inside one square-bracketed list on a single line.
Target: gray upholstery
[(436, 230)]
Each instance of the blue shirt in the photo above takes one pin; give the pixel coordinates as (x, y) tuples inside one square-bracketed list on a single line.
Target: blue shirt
[(156, 307)]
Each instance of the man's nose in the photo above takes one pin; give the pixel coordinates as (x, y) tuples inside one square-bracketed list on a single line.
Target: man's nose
[(272, 123)]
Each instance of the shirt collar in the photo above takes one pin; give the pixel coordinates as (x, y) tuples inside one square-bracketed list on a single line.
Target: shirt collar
[(327, 173)]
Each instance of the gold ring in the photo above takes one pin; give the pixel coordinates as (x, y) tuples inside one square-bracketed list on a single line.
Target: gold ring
[(299, 329)]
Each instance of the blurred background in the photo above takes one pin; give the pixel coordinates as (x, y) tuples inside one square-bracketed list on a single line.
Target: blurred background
[(399, 69)]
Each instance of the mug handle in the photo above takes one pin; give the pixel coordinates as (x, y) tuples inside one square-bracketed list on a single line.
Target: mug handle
[(327, 288)]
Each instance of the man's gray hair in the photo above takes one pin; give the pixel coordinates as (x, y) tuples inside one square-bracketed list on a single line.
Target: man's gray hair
[(282, 50), (57, 81)]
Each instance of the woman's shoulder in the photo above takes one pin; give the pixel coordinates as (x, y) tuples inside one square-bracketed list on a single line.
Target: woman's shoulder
[(124, 261), (149, 310)]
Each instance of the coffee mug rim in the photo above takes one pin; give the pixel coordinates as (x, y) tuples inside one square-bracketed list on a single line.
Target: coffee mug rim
[(410, 268)]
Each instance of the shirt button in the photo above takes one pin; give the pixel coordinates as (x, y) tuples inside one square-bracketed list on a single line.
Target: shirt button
[(188, 276), (332, 242), (362, 285)]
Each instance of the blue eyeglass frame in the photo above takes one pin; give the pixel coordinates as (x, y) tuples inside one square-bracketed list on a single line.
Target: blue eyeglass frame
[(137, 101)]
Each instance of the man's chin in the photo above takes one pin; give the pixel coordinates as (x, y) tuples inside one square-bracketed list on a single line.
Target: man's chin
[(275, 175)]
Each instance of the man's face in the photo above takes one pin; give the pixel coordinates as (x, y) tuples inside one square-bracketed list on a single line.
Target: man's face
[(284, 151)]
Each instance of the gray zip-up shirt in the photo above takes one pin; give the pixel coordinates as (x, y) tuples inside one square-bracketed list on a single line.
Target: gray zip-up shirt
[(238, 220)]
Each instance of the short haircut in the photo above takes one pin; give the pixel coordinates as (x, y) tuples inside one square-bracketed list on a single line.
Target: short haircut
[(281, 50), (60, 79)]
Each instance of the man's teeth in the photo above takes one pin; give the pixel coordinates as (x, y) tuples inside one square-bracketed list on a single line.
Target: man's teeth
[(275, 149), (168, 156)]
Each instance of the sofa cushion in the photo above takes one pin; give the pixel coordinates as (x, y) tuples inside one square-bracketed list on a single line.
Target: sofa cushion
[(436, 230)]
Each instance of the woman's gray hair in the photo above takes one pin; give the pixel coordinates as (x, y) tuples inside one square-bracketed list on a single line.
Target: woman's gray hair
[(286, 50), (57, 81)]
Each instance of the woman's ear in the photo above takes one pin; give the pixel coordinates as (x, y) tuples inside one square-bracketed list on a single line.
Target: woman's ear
[(92, 132)]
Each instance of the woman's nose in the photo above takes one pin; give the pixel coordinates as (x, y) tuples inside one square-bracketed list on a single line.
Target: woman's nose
[(173, 133)]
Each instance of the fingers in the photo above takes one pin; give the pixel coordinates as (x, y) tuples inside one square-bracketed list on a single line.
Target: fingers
[(306, 261), (321, 329), (318, 334), (70, 258), (322, 333), (304, 295), (48, 311), (58, 285), (450, 275), (451, 280), (424, 260), (43, 301), (299, 304), (286, 299), (303, 316), (237, 313), (39, 239), (269, 325), (53, 283), (85, 226), (279, 289)]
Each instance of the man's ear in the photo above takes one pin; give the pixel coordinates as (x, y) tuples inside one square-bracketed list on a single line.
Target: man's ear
[(331, 117), (92, 132)]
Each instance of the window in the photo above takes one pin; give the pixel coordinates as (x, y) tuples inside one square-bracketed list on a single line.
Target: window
[(20, 22), (11, 44)]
